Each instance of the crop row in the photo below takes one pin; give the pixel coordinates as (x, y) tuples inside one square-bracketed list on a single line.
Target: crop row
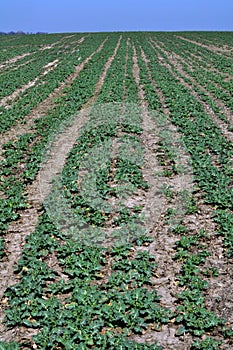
[(212, 81), (200, 58), (198, 87), (191, 313), (214, 178), (97, 312), (16, 78), (219, 40), (37, 93), (22, 156), (15, 46), (75, 291)]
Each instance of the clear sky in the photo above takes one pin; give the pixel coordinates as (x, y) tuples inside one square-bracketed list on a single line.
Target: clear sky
[(55, 16)]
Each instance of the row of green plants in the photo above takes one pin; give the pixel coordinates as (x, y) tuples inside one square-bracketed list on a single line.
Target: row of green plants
[(218, 60), (218, 39), (213, 82), (192, 315), (214, 66), (23, 54), (91, 297), (113, 91), (210, 152), (200, 81), (14, 79), (105, 297), (22, 156), (87, 310), (28, 100), (202, 59), (17, 45)]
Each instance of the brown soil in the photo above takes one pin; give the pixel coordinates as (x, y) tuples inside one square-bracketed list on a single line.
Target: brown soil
[(44, 106), (156, 206), (212, 48), (7, 101), (163, 246), (223, 127), (28, 218), (14, 59)]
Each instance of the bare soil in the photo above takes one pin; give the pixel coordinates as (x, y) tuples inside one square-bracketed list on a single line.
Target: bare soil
[(209, 111), (44, 106), (176, 61), (213, 48), (14, 59), (28, 218), (163, 246)]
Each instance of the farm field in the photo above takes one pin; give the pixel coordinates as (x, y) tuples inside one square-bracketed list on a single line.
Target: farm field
[(116, 191)]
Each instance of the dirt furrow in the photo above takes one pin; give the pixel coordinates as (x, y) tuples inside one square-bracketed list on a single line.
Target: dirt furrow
[(15, 59), (46, 47), (6, 101), (43, 107), (164, 241), (207, 67), (16, 67), (209, 111), (163, 248), (125, 68), (212, 48), (28, 218), (175, 60)]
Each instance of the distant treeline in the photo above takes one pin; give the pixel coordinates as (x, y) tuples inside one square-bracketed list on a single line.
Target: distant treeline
[(19, 32)]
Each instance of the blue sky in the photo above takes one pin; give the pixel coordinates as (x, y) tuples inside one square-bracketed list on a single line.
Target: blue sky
[(55, 16)]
